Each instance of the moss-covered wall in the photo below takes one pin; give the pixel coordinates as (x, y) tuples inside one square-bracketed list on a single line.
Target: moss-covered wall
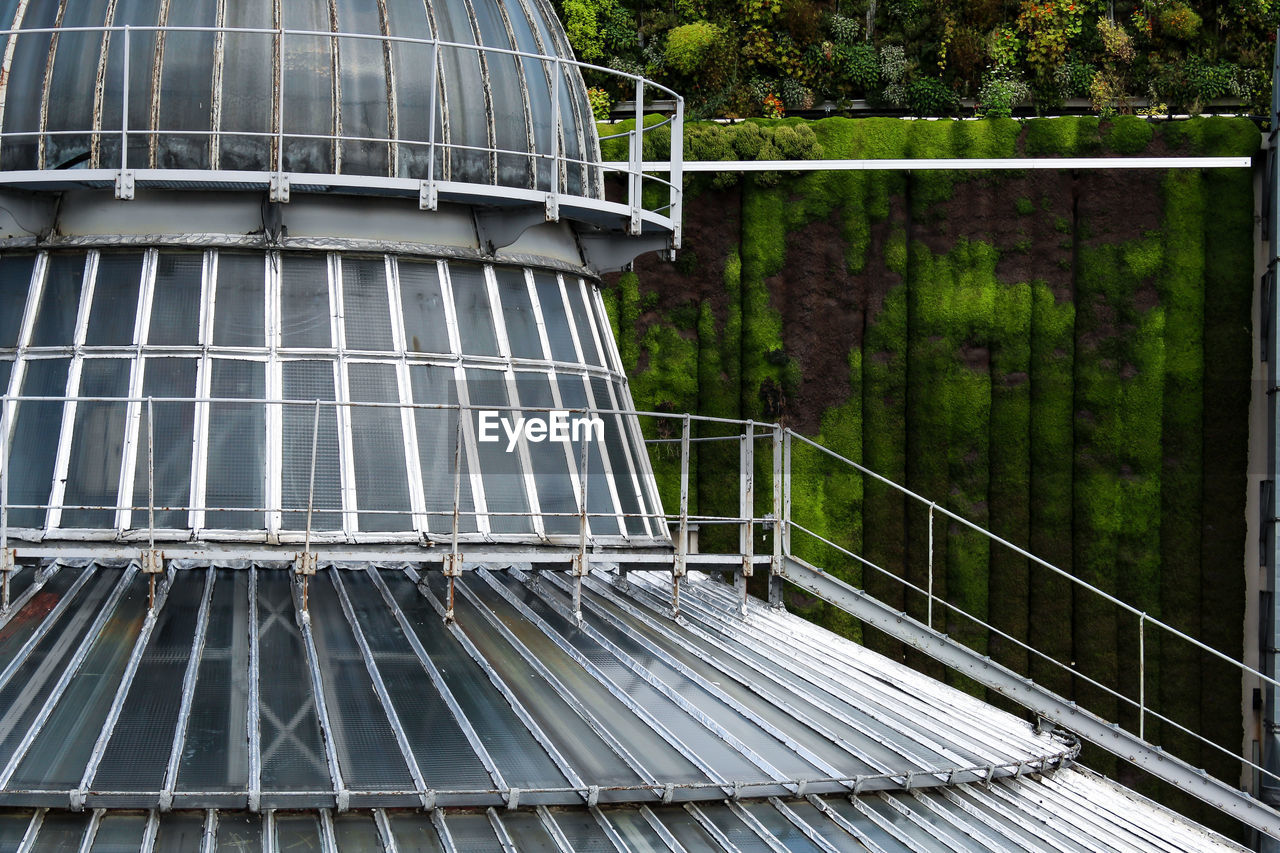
[(1064, 357)]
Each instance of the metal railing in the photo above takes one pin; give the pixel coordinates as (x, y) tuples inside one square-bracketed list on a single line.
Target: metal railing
[(558, 162), (765, 505)]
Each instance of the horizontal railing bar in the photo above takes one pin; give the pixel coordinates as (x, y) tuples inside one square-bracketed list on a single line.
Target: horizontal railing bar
[(954, 165), (1133, 611), (342, 34), (1134, 704)]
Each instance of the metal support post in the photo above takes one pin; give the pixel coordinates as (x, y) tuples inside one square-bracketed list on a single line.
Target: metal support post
[(580, 561), (280, 102), (929, 619), (453, 560), (428, 198), (305, 563), (152, 560), (124, 180), (635, 192), (775, 561), (557, 160), (746, 510), (124, 106), (682, 537), (676, 212), (8, 556), (1142, 676), (8, 563), (1270, 663)]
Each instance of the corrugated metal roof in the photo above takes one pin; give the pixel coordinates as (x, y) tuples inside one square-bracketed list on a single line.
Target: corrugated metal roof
[(515, 726)]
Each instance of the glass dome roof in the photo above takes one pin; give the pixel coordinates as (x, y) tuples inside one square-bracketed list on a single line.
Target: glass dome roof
[(313, 86)]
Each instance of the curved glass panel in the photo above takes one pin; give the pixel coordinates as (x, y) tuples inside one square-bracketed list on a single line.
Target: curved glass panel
[(190, 417), (211, 84)]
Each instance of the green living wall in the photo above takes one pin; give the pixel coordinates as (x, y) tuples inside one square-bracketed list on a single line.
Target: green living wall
[(1061, 356)]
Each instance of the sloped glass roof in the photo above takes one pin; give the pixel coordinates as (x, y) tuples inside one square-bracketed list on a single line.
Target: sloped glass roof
[(1072, 812), (514, 727), (232, 694)]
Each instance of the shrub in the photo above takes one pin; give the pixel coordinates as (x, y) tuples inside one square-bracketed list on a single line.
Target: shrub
[(795, 94), (1108, 94), (1117, 43), (844, 30), (601, 103), (1004, 47), (692, 46), (1129, 135), (1072, 79), (929, 96), (893, 70), (581, 28), (1049, 27), (860, 66), (1002, 89), (893, 63), (1180, 22)]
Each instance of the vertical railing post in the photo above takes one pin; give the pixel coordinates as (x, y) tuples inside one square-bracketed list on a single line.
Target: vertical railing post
[(580, 563), (746, 510), (306, 564), (151, 476), (280, 103), (151, 564), (453, 562), (635, 191), (676, 211), (557, 145), (1142, 676), (786, 492), (7, 560), (428, 199), (124, 108), (929, 619), (682, 537), (775, 561)]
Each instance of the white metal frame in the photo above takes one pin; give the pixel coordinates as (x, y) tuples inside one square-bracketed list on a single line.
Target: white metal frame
[(272, 355)]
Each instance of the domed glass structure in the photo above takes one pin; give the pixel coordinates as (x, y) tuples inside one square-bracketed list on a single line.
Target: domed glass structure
[(401, 88), (266, 269)]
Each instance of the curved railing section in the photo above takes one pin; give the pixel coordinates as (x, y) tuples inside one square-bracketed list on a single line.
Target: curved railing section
[(469, 123)]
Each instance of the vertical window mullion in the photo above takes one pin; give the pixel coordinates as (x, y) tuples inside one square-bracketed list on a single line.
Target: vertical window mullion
[(628, 441), (479, 504), (513, 399), (609, 346), (526, 464), (537, 315), (594, 406), (469, 447), (342, 393), (574, 456), (591, 338), (54, 517), (274, 386), (133, 417), (413, 462), (578, 348), (35, 290), (204, 385)]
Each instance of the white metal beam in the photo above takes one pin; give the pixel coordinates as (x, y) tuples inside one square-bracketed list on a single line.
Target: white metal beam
[(981, 164)]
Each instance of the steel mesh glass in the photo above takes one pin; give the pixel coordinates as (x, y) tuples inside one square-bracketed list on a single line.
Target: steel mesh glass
[(390, 346)]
